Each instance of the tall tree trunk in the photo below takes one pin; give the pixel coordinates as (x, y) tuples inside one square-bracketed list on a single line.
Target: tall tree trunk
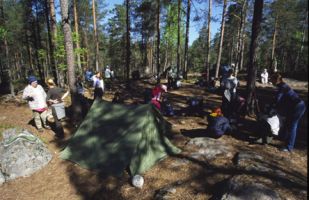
[(76, 108), (221, 38), (207, 63), (158, 40), (6, 76), (242, 51), (53, 22), (95, 36), (8, 72), (240, 46), (50, 43), (231, 50), (256, 27), (128, 51), (273, 46), (86, 44), (29, 49), (38, 43), (53, 25), (77, 35), (178, 38), (302, 42), (187, 39)]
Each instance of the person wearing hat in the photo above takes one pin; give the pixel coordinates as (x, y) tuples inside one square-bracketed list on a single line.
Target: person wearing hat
[(218, 125), (55, 98), (36, 97)]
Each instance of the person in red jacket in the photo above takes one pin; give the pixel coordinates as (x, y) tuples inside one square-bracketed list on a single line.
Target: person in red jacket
[(157, 95)]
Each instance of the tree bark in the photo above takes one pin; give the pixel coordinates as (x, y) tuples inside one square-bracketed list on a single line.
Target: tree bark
[(8, 72), (128, 50), (86, 44), (273, 46), (50, 43), (240, 46), (187, 39), (207, 63), (95, 36), (38, 43), (302, 42), (76, 109), (77, 35), (178, 38), (158, 40), (251, 78), (221, 39), (53, 22), (6, 76)]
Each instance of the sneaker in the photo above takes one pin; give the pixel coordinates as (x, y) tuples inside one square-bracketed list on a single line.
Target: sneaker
[(41, 130), (47, 127), (285, 149)]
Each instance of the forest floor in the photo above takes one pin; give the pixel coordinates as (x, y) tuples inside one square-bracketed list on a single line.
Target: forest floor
[(195, 180)]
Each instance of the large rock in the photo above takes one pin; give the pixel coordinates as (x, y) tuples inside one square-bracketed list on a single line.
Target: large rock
[(243, 188), (210, 148), (252, 161), (21, 154)]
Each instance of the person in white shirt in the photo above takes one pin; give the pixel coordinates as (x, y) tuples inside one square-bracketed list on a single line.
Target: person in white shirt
[(264, 77), (98, 85), (36, 97)]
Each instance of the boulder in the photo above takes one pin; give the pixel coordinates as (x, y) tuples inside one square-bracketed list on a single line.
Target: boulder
[(21, 154), (242, 187), (210, 148)]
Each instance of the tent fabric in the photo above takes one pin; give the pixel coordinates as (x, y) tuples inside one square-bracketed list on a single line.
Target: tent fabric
[(113, 137)]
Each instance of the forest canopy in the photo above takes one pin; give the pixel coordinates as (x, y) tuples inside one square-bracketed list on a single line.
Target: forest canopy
[(148, 36)]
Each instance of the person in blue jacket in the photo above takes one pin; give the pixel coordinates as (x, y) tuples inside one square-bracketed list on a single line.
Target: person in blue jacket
[(289, 105), (218, 125)]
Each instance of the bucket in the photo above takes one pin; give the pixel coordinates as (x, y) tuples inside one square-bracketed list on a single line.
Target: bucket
[(59, 110)]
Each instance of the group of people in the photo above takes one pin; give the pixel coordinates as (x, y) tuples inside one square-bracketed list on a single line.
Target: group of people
[(39, 102), (96, 81), (287, 105)]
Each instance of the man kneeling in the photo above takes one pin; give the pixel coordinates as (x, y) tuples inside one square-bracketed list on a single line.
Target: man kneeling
[(218, 125)]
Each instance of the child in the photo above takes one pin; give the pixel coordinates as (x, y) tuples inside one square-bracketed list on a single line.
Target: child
[(218, 125)]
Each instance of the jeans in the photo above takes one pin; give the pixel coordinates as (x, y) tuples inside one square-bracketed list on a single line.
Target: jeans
[(292, 124)]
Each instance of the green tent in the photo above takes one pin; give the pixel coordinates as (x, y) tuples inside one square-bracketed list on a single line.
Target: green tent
[(113, 137)]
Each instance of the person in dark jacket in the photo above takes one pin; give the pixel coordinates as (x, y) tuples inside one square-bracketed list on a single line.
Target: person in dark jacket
[(290, 106), (218, 125), (55, 97)]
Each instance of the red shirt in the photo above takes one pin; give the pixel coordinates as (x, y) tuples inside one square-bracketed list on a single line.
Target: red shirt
[(157, 92)]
